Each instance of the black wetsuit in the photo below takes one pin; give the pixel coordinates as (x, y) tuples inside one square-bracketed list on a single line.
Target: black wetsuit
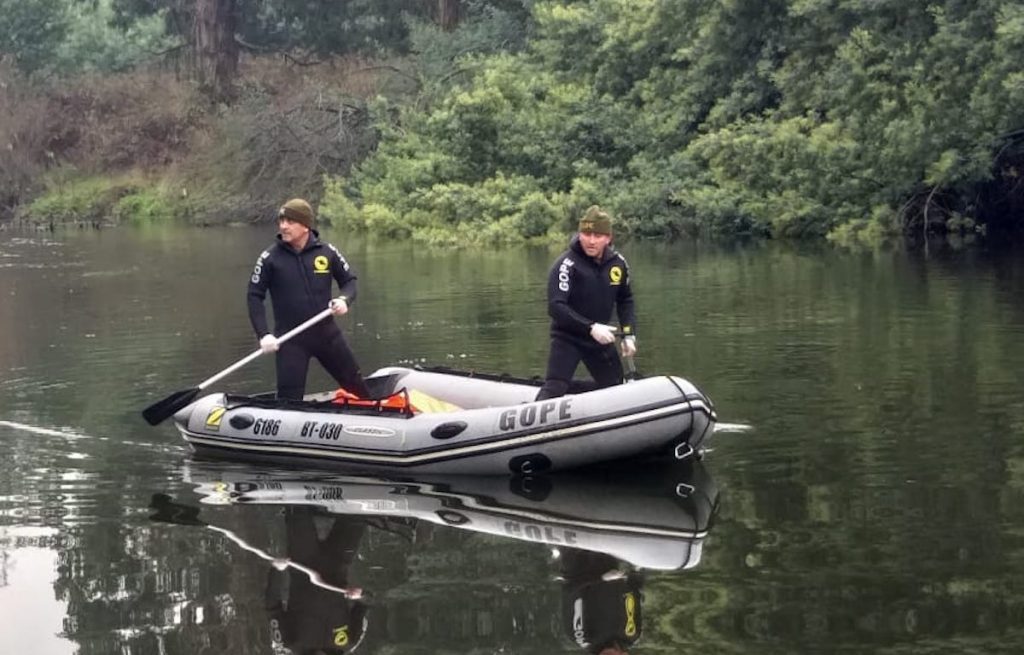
[(597, 613), (581, 292), (305, 616), (300, 285)]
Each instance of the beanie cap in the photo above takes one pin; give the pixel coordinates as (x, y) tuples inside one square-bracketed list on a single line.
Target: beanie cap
[(297, 210), (596, 220)]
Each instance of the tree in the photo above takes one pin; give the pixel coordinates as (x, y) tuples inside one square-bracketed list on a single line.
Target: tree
[(215, 47), (448, 14)]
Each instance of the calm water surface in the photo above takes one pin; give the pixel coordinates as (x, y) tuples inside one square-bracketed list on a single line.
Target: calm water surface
[(874, 505)]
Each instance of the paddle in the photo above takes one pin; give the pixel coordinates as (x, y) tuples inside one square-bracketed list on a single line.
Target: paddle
[(163, 409), (168, 511)]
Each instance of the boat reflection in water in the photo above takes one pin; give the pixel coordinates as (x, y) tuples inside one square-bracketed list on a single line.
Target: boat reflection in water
[(603, 528)]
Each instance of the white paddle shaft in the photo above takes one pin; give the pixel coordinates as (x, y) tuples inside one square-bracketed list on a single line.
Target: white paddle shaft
[(259, 351)]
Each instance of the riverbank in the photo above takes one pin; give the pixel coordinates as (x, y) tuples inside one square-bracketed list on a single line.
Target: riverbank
[(148, 146)]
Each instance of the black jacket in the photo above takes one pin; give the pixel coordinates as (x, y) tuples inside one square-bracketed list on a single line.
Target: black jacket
[(582, 291), (597, 612), (305, 616), (299, 283)]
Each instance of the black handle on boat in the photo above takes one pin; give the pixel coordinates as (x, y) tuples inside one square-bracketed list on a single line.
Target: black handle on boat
[(165, 408)]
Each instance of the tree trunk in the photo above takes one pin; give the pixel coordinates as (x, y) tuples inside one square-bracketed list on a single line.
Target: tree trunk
[(216, 51), (448, 14)]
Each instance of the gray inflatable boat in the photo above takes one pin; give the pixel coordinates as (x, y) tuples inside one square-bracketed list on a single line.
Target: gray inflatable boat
[(441, 421)]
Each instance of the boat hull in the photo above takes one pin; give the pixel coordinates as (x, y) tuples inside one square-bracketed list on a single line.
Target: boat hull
[(504, 431)]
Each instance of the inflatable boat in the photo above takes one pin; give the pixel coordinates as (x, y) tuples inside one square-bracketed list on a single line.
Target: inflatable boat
[(654, 517), (441, 421)]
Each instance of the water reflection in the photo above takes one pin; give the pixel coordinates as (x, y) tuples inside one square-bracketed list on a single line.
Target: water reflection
[(591, 536), (310, 607)]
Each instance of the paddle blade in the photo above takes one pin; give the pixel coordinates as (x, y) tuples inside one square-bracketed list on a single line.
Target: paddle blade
[(168, 511), (163, 409)]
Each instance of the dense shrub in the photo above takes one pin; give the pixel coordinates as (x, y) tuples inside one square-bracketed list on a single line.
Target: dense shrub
[(279, 139), (79, 200), (787, 117)]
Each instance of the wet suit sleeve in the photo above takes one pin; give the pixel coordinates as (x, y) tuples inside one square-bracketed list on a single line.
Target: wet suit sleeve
[(344, 276), (560, 282), (624, 305), (259, 282)]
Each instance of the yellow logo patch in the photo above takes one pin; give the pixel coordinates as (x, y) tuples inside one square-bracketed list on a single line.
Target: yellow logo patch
[(214, 417), (615, 274), (341, 636), (630, 615), (320, 264)]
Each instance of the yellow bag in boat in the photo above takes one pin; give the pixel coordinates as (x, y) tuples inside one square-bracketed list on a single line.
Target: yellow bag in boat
[(423, 402)]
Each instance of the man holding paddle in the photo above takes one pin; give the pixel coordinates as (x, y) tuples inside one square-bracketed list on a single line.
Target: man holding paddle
[(585, 284), (298, 271)]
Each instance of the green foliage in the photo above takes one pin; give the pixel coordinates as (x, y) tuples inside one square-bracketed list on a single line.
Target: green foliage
[(74, 36), (78, 200), (498, 210), (31, 30), (443, 58), (328, 27), (151, 205), (75, 199), (317, 29), (789, 117), (93, 43)]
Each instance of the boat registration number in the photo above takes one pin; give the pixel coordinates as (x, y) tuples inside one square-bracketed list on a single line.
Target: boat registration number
[(267, 427), (318, 430)]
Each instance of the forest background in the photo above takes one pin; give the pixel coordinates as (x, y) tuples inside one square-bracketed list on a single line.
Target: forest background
[(483, 121)]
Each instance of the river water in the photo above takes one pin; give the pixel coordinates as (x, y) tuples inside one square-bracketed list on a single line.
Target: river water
[(867, 496)]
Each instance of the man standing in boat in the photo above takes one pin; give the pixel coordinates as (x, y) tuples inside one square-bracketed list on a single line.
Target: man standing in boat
[(585, 284), (298, 271)]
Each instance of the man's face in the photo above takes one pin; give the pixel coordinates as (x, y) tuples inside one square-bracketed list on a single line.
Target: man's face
[(292, 232), (593, 243)]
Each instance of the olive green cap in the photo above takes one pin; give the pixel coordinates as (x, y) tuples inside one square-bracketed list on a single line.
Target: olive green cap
[(596, 220), (297, 210)]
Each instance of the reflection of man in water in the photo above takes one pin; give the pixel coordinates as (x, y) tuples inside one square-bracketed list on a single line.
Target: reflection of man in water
[(600, 602), (307, 618)]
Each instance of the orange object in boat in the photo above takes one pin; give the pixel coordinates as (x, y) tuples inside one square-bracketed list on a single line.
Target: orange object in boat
[(398, 400)]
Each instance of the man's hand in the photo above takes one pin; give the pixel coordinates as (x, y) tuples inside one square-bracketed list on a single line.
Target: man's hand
[(603, 334), (339, 305), (628, 346), (269, 344)]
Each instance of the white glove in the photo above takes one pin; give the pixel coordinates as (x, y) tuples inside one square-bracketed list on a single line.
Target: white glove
[(629, 346), (339, 305), (603, 334), (269, 344)]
